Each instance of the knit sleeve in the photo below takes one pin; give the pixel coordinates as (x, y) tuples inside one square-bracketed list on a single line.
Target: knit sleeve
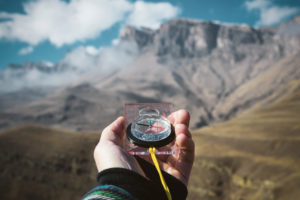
[(108, 192), (124, 184)]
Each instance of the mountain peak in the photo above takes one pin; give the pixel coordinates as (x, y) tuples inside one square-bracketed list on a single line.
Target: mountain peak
[(142, 36), (186, 38)]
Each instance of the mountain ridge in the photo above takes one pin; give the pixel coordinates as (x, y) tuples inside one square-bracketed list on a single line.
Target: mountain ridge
[(214, 71)]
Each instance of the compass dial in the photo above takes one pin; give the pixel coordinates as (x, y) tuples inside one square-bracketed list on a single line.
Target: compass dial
[(150, 130)]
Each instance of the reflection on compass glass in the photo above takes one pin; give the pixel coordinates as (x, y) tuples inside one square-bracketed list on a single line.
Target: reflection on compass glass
[(150, 129)]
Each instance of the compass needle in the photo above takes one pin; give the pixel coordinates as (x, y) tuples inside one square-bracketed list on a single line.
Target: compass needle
[(143, 124)]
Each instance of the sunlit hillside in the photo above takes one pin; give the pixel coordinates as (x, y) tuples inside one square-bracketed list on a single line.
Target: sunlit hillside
[(42, 163), (255, 156)]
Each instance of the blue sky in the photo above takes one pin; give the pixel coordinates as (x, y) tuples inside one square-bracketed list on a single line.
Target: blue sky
[(44, 30)]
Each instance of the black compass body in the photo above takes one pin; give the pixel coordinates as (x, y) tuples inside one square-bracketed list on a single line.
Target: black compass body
[(150, 129)]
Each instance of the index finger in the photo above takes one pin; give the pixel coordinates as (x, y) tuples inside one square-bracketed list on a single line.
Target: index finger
[(180, 117)]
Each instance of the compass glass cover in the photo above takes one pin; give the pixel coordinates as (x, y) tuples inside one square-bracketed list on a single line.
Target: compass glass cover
[(151, 129)]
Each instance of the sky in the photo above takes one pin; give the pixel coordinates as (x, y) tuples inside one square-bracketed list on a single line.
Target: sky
[(45, 30)]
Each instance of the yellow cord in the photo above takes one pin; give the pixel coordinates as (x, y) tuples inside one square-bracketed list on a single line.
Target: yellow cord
[(152, 153)]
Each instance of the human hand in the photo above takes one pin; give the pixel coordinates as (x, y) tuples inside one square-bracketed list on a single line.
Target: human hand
[(180, 166), (109, 154)]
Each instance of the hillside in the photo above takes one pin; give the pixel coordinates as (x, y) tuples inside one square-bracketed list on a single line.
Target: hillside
[(43, 163), (252, 157)]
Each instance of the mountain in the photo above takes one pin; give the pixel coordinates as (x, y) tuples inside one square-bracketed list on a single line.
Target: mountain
[(28, 66), (254, 156), (213, 70)]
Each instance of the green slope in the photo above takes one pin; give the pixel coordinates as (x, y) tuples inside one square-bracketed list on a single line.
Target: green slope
[(43, 163), (255, 156)]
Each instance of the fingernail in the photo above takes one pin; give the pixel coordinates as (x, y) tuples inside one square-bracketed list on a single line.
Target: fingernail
[(171, 118), (179, 126)]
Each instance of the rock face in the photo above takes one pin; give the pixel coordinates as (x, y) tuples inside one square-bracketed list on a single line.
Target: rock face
[(191, 38), (215, 71), (143, 37), (46, 67), (183, 38)]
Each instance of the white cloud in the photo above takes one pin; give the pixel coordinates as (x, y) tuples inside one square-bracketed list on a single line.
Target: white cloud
[(151, 14), (81, 65), (91, 50), (90, 59), (61, 22), (26, 50), (257, 4), (270, 14), (64, 23), (116, 57), (81, 59), (115, 42), (274, 15)]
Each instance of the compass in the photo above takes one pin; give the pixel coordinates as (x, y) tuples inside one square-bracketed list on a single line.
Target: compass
[(150, 129)]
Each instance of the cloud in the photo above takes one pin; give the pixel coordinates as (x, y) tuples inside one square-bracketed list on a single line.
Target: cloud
[(257, 4), (275, 15), (102, 60), (81, 65), (26, 50), (92, 50), (80, 59), (62, 22), (151, 15), (270, 14)]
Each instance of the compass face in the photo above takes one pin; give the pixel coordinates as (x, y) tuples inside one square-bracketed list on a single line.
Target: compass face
[(150, 130)]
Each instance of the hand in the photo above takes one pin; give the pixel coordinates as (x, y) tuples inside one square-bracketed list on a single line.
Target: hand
[(180, 166), (108, 152)]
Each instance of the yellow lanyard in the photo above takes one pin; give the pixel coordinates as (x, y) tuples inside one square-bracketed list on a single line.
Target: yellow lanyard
[(152, 153)]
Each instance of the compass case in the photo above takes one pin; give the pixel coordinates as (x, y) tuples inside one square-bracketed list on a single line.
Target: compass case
[(146, 129), (146, 144)]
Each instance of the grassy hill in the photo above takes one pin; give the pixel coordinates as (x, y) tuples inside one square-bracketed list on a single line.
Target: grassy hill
[(43, 163), (255, 156), (252, 157)]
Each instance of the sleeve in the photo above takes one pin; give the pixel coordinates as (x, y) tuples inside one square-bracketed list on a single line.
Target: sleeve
[(105, 192), (124, 184)]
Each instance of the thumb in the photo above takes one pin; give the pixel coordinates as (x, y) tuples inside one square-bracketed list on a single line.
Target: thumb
[(114, 132)]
